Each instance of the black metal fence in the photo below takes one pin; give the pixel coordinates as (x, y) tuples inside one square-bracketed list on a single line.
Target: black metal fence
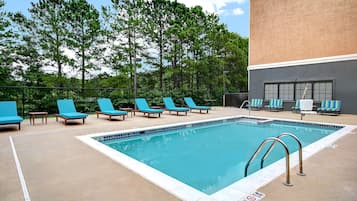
[(235, 99), (44, 98)]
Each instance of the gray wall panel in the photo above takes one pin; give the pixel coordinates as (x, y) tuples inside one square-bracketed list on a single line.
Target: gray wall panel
[(343, 74)]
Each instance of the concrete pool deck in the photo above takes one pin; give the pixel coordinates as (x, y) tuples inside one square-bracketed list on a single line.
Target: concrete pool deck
[(57, 166)]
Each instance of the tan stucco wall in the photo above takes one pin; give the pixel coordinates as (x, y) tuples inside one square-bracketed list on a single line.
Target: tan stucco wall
[(287, 30)]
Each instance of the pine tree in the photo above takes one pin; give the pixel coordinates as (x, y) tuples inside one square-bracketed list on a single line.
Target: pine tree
[(28, 60), (83, 34), (6, 46), (126, 37), (50, 32)]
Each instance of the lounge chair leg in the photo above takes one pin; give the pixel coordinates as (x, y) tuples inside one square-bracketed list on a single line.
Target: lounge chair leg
[(19, 126), (177, 113), (56, 118), (186, 113), (207, 112), (148, 115), (123, 117), (83, 120), (159, 114), (97, 115), (110, 117), (65, 122)]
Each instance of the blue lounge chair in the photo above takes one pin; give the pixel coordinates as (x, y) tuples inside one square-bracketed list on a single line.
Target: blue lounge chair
[(106, 108), (330, 107), (8, 113), (67, 111), (275, 105), (296, 108), (256, 104), (192, 105), (143, 107), (170, 106)]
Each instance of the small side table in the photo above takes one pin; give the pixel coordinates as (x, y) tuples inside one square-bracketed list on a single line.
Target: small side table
[(210, 102), (33, 115), (128, 109)]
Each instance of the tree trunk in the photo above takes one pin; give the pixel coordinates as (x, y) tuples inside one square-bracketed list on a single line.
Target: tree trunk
[(83, 57), (174, 67), (161, 57), (59, 64), (83, 69), (130, 60)]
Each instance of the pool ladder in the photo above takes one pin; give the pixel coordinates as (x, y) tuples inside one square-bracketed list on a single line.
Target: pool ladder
[(287, 157), (242, 105)]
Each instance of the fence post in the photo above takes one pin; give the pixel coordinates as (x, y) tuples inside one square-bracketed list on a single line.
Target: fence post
[(23, 101)]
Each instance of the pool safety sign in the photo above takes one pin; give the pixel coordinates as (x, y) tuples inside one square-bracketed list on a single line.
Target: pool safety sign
[(256, 196)]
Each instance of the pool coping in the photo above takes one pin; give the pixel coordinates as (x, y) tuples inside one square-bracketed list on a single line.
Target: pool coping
[(236, 191)]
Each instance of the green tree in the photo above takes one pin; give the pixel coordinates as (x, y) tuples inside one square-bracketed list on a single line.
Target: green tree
[(28, 60), (83, 36), (6, 46), (126, 39), (156, 19), (50, 32)]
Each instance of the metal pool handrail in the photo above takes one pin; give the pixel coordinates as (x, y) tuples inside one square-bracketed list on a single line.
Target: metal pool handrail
[(287, 157), (301, 172), (244, 102)]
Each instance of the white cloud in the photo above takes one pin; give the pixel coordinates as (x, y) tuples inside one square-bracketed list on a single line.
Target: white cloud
[(238, 11), (212, 6)]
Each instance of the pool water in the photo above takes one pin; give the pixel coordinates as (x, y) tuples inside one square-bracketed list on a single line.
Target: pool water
[(212, 156)]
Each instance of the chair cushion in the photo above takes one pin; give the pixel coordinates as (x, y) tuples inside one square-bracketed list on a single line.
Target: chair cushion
[(201, 108), (141, 103), (321, 109), (105, 104), (115, 112), (8, 108), (66, 106), (152, 111), (10, 120), (189, 102), (179, 109), (73, 115)]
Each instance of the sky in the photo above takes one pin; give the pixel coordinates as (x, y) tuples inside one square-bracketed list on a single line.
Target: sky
[(233, 13)]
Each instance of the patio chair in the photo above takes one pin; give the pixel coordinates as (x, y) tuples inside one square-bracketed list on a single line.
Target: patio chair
[(192, 105), (67, 111), (143, 107), (106, 108), (296, 108), (8, 113), (275, 105), (170, 106), (256, 104), (305, 107), (330, 107)]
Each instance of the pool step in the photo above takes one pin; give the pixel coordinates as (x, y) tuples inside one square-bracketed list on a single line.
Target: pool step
[(254, 121)]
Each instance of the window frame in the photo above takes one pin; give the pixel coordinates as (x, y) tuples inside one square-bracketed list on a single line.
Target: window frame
[(293, 92), (299, 82), (277, 92)]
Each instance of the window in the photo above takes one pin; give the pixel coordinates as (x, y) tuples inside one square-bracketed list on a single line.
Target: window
[(322, 91), (271, 91), (317, 90), (286, 91), (300, 88)]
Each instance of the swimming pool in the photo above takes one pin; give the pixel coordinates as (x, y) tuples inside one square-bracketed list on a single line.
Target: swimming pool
[(206, 156)]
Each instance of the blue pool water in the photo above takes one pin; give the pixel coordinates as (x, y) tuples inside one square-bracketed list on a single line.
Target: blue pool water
[(212, 156)]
